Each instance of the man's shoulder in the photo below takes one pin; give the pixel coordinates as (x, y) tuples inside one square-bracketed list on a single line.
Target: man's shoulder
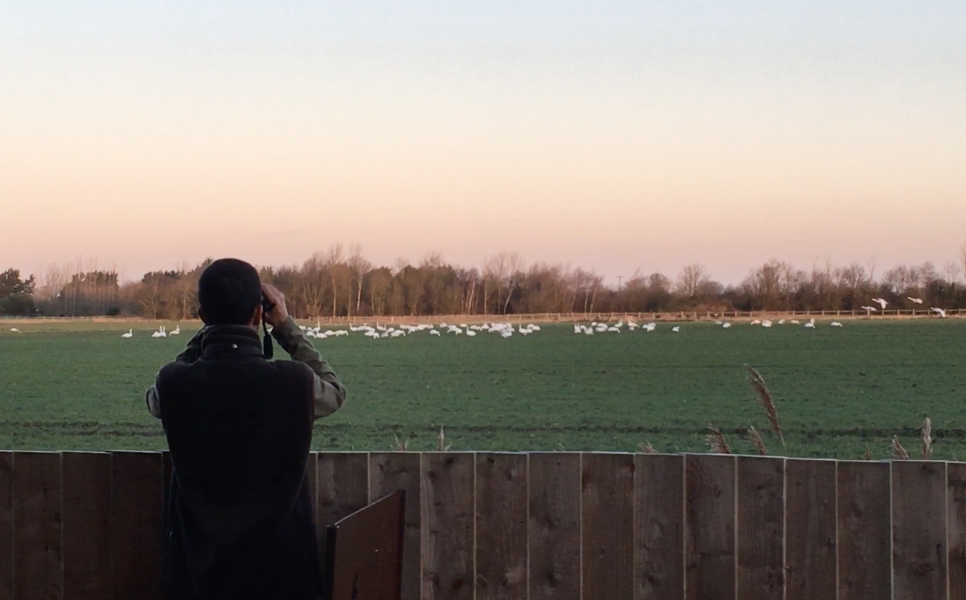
[(293, 368)]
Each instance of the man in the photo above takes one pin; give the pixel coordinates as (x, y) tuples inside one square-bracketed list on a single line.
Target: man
[(239, 518)]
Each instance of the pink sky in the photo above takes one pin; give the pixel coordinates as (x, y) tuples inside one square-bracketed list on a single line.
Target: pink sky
[(146, 153)]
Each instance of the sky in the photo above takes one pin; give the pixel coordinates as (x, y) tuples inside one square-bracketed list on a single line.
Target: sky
[(611, 135)]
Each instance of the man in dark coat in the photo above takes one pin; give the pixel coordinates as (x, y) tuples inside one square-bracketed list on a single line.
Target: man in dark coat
[(239, 519)]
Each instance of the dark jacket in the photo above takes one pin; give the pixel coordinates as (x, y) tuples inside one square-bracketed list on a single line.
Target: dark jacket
[(239, 516)]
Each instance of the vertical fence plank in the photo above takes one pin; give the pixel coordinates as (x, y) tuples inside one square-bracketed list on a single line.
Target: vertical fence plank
[(810, 538), (447, 511), (607, 523), (391, 471), (312, 474), (761, 528), (341, 481), (864, 531), (501, 527), (87, 525), (919, 529), (956, 514), (38, 566), (659, 527), (554, 526), (137, 507), (6, 525), (710, 527)]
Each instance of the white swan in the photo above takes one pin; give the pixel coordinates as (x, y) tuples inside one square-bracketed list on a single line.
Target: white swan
[(14, 330), (939, 311), (881, 302), (676, 329), (176, 331), (129, 334), (914, 300)]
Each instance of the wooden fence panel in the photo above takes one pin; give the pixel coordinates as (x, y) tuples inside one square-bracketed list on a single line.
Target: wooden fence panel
[(137, 507), (761, 528), (864, 532), (554, 526), (312, 475), (391, 471), (501, 527), (340, 483), (607, 523), (956, 514), (447, 518), (710, 527), (659, 527), (810, 524), (6, 525), (86, 537), (38, 571), (919, 530)]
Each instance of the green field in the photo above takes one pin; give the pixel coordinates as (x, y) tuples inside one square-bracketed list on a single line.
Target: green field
[(80, 386)]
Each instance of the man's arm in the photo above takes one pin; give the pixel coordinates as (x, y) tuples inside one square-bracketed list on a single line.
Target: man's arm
[(329, 395), (329, 391), (190, 355)]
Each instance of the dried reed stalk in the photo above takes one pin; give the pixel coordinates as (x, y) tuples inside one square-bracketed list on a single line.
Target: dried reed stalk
[(868, 453), (927, 439), (764, 397), (441, 441), (898, 452), (401, 445), (757, 441), (647, 448), (717, 442)]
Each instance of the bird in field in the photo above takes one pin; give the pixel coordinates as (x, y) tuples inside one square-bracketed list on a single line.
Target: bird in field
[(726, 325), (176, 331), (870, 309), (795, 322), (160, 333), (766, 324), (676, 329), (14, 330), (810, 325), (835, 324), (939, 311), (881, 302), (470, 333), (129, 334), (914, 300), (434, 332)]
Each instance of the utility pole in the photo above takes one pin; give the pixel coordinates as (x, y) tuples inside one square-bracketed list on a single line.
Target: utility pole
[(619, 278)]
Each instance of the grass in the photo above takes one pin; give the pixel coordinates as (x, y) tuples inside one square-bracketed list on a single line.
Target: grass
[(80, 386)]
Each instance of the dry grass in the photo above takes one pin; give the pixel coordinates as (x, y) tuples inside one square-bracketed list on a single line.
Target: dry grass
[(717, 442), (764, 397), (400, 445), (927, 439), (441, 441), (868, 453), (647, 448), (898, 452), (756, 440)]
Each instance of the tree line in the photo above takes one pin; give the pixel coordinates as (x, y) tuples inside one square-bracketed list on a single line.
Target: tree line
[(340, 282)]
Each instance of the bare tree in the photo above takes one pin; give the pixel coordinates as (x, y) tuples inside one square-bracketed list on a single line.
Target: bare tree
[(951, 272), (962, 256), (334, 266), (359, 266), (691, 278), (313, 284)]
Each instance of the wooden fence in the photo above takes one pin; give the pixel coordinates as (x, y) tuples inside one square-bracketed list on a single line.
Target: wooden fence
[(536, 526)]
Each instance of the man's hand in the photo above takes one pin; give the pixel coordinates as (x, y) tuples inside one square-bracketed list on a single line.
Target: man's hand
[(278, 314)]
